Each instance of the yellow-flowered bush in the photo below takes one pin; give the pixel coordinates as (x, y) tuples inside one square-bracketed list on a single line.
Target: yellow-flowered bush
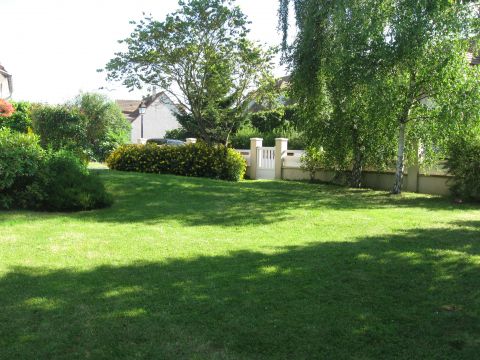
[(200, 160)]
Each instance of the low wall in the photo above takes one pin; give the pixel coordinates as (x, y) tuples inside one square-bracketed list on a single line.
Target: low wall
[(435, 184), (427, 184)]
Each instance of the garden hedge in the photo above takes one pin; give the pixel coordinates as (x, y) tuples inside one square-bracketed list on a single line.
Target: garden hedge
[(199, 160)]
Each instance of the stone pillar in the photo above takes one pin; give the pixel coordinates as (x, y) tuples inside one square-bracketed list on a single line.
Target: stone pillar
[(190, 140), (413, 172), (281, 147), (254, 144)]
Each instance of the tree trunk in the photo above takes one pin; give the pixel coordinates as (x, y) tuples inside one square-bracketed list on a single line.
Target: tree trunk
[(397, 187), (356, 180)]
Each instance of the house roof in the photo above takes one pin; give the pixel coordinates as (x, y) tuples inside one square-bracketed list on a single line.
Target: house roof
[(130, 107)]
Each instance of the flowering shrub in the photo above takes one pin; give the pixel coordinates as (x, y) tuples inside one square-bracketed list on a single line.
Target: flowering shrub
[(200, 160), (6, 109)]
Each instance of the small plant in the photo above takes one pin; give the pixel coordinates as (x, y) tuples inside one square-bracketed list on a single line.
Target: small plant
[(313, 160), (6, 109)]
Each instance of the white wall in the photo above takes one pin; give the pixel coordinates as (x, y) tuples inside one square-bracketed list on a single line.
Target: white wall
[(158, 118), (4, 90)]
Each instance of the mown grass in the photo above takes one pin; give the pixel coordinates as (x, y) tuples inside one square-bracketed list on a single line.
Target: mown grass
[(185, 268)]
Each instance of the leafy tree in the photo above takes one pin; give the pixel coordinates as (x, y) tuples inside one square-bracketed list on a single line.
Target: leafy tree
[(407, 64), (332, 81), (106, 126), (201, 56)]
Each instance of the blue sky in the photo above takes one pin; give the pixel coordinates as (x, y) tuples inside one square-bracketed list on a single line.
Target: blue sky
[(53, 47)]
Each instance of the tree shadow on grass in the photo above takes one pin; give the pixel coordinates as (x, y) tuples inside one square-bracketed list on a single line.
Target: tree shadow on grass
[(408, 296), (192, 201)]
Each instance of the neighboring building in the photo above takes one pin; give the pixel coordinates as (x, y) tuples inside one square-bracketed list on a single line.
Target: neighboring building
[(159, 116), (6, 85)]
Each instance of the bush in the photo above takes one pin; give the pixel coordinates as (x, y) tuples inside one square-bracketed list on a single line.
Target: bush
[(60, 127), (241, 140), (68, 185), (200, 160), (312, 161), (20, 120), (178, 134), (464, 164), (31, 178), (6, 109), (20, 160)]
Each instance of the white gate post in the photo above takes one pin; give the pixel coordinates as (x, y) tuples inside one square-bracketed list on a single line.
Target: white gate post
[(281, 147), (254, 144)]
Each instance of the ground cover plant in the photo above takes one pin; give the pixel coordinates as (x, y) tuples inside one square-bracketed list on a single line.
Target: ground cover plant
[(185, 267)]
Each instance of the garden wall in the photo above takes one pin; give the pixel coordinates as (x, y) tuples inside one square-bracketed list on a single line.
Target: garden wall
[(414, 180)]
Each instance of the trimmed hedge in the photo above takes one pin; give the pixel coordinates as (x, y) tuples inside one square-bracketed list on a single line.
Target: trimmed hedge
[(199, 160)]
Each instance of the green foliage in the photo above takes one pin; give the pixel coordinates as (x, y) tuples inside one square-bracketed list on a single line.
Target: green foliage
[(200, 160), (32, 178), (200, 54), (177, 134), (370, 75), (313, 161), (464, 164), (241, 140), (280, 119), (68, 186), (20, 120), (61, 127), (20, 160), (106, 126)]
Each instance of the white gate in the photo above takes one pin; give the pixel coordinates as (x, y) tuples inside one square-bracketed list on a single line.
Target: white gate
[(266, 163)]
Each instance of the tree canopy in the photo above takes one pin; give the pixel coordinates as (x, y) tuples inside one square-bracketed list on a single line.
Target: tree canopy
[(365, 68), (200, 54)]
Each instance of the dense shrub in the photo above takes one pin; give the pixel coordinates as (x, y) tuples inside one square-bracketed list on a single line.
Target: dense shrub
[(20, 120), (60, 127), (201, 160), (464, 164), (241, 140), (32, 178), (67, 185), (178, 134), (20, 160)]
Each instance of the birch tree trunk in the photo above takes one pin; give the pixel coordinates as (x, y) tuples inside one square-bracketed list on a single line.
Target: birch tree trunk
[(356, 180), (397, 187)]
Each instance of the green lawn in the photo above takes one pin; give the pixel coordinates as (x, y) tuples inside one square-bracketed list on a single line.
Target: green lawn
[(186, 268)]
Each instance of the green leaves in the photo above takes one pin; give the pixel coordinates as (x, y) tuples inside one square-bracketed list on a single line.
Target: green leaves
[(200, 56)]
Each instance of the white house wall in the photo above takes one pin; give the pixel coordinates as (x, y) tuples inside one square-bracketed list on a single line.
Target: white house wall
[(158, 119), (4, 89)]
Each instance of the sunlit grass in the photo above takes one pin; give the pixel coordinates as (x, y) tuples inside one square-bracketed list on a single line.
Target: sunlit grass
[(194, 268)]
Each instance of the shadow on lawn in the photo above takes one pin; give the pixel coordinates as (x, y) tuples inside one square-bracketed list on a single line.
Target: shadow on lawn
[(409, 296), (151, 198)]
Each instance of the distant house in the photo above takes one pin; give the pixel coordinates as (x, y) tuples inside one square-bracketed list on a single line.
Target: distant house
[(159, 116), (6, 85)]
